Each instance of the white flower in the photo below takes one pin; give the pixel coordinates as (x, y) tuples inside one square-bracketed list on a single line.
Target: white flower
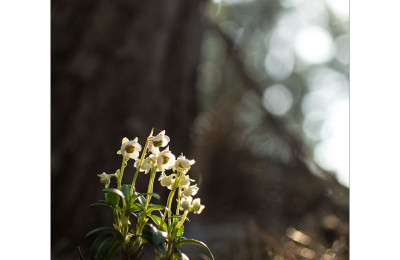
[(105, 178), (147, 164), (184, 182), (191, 205), (130, 149), (160, 140), (182, 164), (191, 191), (165, 160), (167, 181), (185, 203), (196, 207)]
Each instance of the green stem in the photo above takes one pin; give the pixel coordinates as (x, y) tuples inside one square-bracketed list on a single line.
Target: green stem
[(121, 173), (182, 220), (172, 237), (179, 201), (140, 163), (151, 184), (170, 196)]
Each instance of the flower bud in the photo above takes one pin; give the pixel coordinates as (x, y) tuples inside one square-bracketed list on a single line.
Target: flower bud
[(185, 205), (105, 179), (196, 207)]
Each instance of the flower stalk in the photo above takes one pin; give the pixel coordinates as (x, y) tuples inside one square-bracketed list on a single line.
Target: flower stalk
[(141, 161)]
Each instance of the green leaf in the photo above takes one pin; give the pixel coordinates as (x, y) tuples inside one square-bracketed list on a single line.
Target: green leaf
[(179, 232), (115, 245), (126, 189), (178, 217), (135, 197), (112, 198), (175, 221), (142, 199), (155, 237), (157, 221), (136, 207), (155, 195), (153, 207), (101, 204), (179, 255), (116, 191), (104, 247), (100, 229), (194, 242)]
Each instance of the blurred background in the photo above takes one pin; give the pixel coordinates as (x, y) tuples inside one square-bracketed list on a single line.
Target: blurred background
[(256, 91)]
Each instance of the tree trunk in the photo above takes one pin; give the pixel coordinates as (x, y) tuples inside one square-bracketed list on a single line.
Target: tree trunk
[(119, 68)]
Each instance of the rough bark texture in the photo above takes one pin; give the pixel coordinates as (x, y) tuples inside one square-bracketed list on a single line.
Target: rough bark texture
[(118, 69)]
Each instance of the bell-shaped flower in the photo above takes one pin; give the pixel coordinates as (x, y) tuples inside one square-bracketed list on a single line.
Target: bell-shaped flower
[(182, 164), (105, 179), (184, 182), (117, 174), (196, 207), (146, 164), (191, 191), (167, 181), (130, 149), (186, 203), (160, 140), (165, 160)]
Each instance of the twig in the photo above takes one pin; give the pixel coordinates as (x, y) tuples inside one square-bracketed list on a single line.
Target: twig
[(79, 253)]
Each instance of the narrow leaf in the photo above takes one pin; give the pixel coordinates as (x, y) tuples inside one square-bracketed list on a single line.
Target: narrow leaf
[(101, 204), (141, 198), (155, 195), (100, 229), (194, 242), (158, 222), (118, 192), (157, 207)]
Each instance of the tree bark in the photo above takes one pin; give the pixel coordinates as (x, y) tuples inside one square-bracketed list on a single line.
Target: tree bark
[(119, 68)]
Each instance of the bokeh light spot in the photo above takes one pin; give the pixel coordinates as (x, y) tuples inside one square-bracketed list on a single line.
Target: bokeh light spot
[(342, 48), (277, 99), (314, 45), (279, 63)]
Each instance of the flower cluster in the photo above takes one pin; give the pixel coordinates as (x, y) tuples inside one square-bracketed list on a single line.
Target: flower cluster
[(166, 160), (161, 161), (126, 201)]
